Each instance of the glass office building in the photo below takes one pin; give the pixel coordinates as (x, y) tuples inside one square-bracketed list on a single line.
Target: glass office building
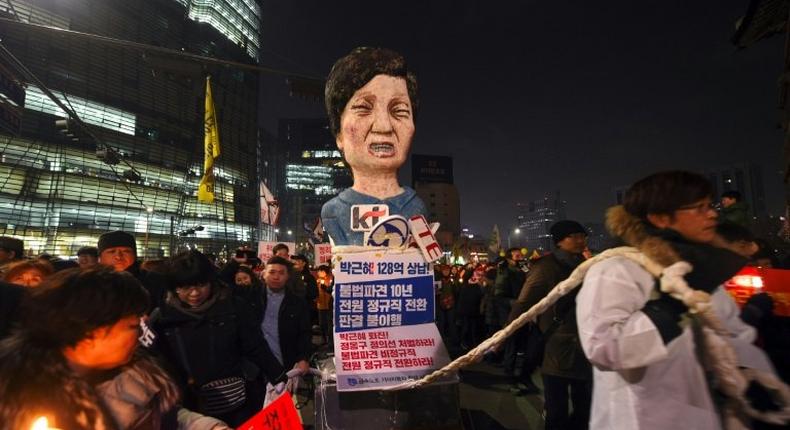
[(58, 194)]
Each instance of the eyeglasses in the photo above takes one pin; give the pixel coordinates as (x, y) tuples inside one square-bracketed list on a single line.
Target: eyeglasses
[(700, 208), (189, 288)]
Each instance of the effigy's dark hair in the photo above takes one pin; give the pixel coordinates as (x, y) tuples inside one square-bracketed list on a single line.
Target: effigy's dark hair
[(72, 303), (355, 70), (663, 193)]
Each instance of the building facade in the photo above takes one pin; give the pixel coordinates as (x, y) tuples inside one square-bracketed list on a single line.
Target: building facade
[(311, 172), (432, 179), (61, 192), (535, 219)]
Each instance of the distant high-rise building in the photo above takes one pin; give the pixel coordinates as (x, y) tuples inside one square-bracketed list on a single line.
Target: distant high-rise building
[(535, 220), (311, 172), (598, 238), (238, 20), (432, 178), (745, 178), (619, 194)]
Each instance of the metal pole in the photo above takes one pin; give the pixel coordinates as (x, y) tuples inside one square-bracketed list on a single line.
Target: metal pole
[(172, 233)]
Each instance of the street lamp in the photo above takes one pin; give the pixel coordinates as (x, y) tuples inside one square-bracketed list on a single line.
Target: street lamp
[(517, 231), (290, 233)]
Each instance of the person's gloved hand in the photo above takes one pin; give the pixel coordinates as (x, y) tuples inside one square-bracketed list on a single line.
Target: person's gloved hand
[(665, 313), (756, 309), (761, 398)]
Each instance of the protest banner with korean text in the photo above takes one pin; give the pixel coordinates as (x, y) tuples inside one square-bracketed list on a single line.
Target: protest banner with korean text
[(265, 249), (323, 254), (384, 318)]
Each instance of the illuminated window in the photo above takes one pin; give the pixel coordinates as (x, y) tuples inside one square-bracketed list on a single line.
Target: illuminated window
[(316, 178), (321, 154), (91, 112), (238, 20)]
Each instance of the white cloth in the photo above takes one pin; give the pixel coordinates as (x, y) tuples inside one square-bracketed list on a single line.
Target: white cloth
[(639, 383), (743, 335)]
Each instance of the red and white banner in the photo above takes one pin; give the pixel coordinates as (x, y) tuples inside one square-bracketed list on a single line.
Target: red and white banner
[(281, 414), (270, 208), (323, 254), (265, 249)]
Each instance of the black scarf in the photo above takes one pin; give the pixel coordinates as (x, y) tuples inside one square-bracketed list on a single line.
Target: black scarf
[(712, 265)]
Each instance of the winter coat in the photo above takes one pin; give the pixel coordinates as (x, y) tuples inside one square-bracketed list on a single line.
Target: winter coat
[(639, 382), (562, 354), (647, 374), (221, 342), (36, 380), (736, 213), (509, 280), (447, 293), (10, 297), (293, 326), (311, 286), (324, 300), (153, 282), (469, 299)]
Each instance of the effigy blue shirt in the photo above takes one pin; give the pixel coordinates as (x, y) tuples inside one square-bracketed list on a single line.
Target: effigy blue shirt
[(336, 213)]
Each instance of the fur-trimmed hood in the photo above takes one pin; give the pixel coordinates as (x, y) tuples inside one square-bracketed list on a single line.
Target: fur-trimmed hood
[(35, 380), (718, 260)]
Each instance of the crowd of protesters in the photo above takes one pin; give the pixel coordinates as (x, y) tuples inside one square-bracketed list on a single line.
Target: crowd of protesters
[(108, 341), (215, 338), (577, 363)]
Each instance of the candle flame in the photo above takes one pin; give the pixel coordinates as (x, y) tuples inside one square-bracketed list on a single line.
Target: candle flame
[(41, 423)]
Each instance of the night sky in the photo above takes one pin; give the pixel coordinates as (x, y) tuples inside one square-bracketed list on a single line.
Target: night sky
[(538, 96)]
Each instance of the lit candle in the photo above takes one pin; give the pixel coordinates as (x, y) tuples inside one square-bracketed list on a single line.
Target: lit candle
[(41, 423)]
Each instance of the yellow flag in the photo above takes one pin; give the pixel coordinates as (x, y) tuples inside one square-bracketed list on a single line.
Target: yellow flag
[(211, 147)]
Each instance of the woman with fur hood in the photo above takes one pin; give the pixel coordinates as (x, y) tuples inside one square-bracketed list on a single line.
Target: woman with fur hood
[(646, 370), (72, 360)]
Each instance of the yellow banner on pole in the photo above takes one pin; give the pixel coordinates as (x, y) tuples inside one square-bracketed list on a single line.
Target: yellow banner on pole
[(211, 147)]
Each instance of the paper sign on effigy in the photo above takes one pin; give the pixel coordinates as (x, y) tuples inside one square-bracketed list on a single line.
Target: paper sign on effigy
[(384, 318)]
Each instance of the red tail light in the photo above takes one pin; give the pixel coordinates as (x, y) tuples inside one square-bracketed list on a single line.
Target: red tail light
[(749, 281)]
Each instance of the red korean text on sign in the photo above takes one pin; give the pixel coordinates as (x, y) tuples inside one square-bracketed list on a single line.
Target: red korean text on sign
[(279, 415)]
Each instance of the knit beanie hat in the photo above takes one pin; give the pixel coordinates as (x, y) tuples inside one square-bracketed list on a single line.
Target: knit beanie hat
[(13, 244), (562, 229), (116, 238)]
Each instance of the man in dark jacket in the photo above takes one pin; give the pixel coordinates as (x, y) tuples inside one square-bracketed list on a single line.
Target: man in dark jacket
[(118, 250), (733, 210), (285, 320), (564, 365)]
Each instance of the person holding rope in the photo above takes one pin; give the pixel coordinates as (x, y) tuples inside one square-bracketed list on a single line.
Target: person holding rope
[(646, 371)]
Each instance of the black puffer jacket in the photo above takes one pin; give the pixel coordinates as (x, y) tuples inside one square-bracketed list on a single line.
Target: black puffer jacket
[(222, 341)]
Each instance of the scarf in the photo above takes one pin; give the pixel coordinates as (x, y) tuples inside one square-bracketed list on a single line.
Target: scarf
[(712, 265)]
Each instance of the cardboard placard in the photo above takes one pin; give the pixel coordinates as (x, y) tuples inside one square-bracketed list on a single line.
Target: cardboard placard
[(279, 415)]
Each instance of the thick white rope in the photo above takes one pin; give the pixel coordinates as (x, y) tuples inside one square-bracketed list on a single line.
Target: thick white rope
[(724, 364)]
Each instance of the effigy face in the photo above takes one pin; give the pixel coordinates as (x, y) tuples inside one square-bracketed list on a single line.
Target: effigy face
[(377, 128)]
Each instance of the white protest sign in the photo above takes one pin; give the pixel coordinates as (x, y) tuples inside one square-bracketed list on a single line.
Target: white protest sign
[(265, 249), (384, 318)]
